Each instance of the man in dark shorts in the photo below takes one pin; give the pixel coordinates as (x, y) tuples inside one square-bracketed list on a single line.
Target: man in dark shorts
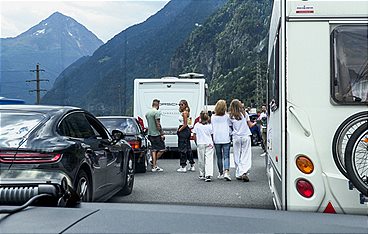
[(155, 134)]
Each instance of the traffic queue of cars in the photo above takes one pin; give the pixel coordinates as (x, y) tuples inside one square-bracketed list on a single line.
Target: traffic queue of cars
[(63, 152), (70, 154)]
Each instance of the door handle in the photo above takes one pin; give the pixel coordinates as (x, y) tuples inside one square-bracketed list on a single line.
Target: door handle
[(306, 131)]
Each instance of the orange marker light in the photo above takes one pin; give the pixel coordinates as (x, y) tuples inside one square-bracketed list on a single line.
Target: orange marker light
[(304, 164)]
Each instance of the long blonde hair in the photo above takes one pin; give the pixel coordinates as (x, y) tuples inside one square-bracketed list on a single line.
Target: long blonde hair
[(236, 109), (220, 107)]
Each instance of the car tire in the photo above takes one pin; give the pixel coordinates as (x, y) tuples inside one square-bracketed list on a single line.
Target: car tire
[(141, 166), (83, 182), (129, 176), (356, 156)]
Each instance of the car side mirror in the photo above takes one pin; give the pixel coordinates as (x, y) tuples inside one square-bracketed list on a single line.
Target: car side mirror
[(117, 135)]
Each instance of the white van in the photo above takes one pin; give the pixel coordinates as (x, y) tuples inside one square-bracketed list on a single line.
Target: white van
[(317, 132), (170, 90)]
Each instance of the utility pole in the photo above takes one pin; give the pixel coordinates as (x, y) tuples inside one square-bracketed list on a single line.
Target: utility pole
[(37, 80), (259, 91), (125, 71)]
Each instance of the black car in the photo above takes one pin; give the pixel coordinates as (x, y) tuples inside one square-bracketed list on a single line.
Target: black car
[(54, 149), (134, 134)]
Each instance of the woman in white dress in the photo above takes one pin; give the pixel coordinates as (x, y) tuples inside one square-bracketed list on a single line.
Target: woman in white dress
[(240, 123)]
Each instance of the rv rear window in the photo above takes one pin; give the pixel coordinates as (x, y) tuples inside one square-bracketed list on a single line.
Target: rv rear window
[(349, 79)]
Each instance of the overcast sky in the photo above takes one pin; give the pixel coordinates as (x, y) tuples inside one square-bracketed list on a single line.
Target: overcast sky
[(103, 18)]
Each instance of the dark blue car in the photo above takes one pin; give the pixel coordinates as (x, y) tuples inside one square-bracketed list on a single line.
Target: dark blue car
[(8, 101), (255, 130)]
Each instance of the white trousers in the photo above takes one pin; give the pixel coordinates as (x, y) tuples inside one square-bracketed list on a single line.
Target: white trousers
[(205, 159), (242, 154)]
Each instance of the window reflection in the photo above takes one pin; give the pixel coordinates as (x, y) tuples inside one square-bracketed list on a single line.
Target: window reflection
[(14, 126), (350, 64), (127, 126)]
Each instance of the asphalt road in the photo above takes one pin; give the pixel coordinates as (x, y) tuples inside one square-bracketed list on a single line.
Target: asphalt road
[(171, 187)]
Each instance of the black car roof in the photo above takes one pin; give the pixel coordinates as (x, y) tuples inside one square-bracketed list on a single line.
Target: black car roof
[(115, 117)]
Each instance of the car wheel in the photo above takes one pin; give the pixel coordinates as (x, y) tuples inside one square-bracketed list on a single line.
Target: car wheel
[(83, 186), (129, 176), (140, 167)]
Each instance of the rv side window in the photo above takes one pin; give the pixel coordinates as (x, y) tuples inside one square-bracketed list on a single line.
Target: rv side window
[(273, 77), (349, 78)]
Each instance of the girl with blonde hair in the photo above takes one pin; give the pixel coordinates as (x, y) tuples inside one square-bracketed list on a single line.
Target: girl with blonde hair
[(221, 138), (240, 124)]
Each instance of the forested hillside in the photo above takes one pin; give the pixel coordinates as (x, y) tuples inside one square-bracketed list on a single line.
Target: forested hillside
[(228, 49)]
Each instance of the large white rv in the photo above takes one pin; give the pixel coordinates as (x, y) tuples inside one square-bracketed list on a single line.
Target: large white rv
[(170, 90), (318, 95)]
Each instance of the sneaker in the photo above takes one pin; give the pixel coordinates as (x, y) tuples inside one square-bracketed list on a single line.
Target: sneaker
[(191, 168), (239, 178), (201, 177), (220, 176), (227, 177), (159, 169), (182, 169), (207, 179), (154, 169), (262, 155), (245, 177)]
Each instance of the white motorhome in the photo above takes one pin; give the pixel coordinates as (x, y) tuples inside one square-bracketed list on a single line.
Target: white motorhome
[(170, 90), (318, 95)]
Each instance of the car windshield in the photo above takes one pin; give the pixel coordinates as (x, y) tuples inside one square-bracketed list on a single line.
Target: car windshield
[(14, 126), (176, 79), (127, 126)]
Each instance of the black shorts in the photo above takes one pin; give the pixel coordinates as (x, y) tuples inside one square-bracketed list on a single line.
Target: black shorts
[(157, 143)]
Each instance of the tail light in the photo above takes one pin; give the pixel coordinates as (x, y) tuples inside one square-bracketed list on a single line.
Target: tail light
[(304, 164), (135, 144), (140, 121), (28, 157), (305, 188)]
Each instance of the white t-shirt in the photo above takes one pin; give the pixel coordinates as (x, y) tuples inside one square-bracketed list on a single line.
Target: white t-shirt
[(203, 133), (221, 129), (240, 127), (261, 116)]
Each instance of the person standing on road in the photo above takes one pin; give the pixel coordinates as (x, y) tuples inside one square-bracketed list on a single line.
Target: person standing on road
[(221, 139), (155, 134), (263, 120), (203, 137), (240, 124), (183, 133)]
